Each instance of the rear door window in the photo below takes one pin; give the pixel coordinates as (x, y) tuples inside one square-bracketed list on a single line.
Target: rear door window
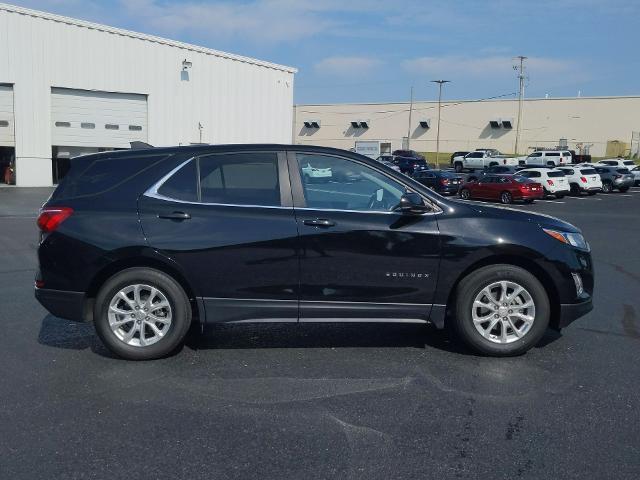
[(240, 179)]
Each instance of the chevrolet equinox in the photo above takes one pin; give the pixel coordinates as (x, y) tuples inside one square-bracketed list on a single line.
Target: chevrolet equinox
[(144, 242)]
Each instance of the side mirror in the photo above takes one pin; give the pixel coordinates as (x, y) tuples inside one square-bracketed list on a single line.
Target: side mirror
[(411, 204)]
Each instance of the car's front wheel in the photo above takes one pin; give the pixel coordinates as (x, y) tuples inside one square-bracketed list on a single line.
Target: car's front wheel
[(501, 310), (465, 194), (142, 314), (607, 186), (506, 198)]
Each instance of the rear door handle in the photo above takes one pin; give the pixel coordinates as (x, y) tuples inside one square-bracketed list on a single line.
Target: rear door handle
[(319, 222), (175, 216)]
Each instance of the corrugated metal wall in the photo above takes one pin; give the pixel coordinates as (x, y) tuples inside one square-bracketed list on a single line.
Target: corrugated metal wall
[(235, 101)]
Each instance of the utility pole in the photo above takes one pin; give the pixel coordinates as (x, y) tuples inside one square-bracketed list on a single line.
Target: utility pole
[(409, 126), (440, 83), (520, 69)]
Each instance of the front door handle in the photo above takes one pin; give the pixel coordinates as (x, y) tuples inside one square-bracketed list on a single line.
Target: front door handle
[(175, 216), (319, 222)]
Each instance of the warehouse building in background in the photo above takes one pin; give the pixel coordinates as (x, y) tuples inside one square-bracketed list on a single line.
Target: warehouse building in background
[(599, 126), (69, 87)]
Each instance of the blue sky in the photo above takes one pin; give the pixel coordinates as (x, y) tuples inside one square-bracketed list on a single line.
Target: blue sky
[(375, 50)]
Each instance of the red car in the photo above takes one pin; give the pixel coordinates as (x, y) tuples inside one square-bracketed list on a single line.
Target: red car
[(505, 188)]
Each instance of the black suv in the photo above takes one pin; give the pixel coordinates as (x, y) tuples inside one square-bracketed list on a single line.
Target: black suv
[(143, 242)]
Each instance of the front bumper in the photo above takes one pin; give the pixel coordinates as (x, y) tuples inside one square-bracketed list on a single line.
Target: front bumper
[(572, 311), (62, 304)]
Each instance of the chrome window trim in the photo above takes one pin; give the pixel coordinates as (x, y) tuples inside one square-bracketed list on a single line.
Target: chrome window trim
[(152, 192)]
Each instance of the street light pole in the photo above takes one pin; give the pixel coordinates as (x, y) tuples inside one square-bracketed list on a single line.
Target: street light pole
[(440, 83), (520, 69), (409, 126)]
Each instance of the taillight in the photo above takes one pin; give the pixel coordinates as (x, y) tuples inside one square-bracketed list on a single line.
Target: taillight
[(550, 182), (583, 180), (50, 218)]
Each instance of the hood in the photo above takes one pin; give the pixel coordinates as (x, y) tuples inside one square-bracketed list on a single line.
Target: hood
[(505, 213)]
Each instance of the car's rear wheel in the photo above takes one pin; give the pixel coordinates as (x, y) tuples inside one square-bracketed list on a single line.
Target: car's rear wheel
[(465, 194), (457, 167), (575, 189), (142, 314), (607, 186), (501, 310), (506, 198)]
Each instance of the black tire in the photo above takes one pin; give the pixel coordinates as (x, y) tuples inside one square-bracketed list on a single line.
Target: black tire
[(174, 293), (575, 189), (457, 167), (506, 198), (466, 292), (623, 189), (607, 186), (465, 194)]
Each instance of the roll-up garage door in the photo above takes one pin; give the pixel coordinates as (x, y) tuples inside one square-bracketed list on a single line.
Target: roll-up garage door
[(7, 138), (84, 118)]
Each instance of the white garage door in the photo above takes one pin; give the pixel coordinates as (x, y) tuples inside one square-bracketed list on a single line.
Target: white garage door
[(84, 118), (7, 138)]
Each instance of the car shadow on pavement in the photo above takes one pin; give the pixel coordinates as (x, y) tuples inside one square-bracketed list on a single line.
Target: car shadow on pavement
[(65, 334), (321, 335)]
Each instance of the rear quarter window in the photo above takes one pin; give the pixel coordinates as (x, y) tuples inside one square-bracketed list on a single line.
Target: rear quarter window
[(588, 171), (555, 174), (104, 173), (623, 171)]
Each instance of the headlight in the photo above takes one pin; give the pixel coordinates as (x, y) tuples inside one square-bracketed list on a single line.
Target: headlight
[(575, 239)]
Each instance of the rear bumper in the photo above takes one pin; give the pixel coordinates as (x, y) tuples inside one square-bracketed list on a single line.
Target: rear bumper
[(63, 304), (572, 311)]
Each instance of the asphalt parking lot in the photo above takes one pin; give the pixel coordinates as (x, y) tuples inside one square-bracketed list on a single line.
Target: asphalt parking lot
[(325, 401)]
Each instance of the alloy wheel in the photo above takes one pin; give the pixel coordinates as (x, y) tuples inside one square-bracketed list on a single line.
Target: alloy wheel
[(505, 197), (503, 312), (139, 315)]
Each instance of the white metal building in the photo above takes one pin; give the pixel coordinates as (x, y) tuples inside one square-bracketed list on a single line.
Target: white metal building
[(596, 125), (69, 87)]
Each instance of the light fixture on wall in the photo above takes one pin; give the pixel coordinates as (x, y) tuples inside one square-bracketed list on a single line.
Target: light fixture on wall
[(495, 123), (507, 123), (312, 123), (186, 65), (425, 123)]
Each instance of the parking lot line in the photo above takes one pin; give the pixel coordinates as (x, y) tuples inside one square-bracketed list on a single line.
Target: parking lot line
[(584, 198), (549, 201)]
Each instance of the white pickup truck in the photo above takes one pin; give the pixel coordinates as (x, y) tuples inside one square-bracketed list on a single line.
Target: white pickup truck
[(481, 159), (546, 158)]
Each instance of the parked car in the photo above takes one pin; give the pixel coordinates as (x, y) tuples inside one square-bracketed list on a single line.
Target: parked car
[(408, 154), (546, 158), (615, 178), (458, 154), (480, 159), (494, 170), (492, 152), (443, 182), (388, 161), (504, 188), (582, 179), (636, 175), (317, 174), (409, 165), (236, 233), (617, 162), (552, 180)]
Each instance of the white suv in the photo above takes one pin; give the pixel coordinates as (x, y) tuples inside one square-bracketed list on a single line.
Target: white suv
[(582, 179), (547, 158), (553, 180), (617, 162)]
